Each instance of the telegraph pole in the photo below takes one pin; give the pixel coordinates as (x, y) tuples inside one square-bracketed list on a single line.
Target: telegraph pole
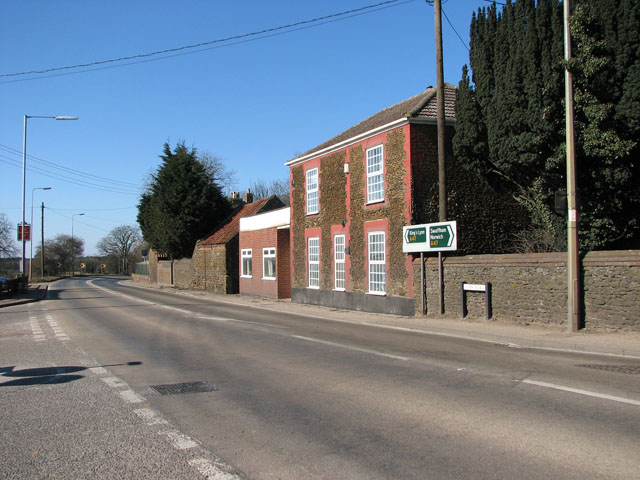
[(42, 244), (573, 283), (442, 172)]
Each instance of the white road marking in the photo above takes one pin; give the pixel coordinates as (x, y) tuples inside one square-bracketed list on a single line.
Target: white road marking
[(150, 416), (99, 370), (114, 382), (131, 396), (350, 347), (210, 470), (179, 440), (582, 392)]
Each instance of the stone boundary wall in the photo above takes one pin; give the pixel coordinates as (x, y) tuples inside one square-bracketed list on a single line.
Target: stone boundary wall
[(533, 287), (182, 273)]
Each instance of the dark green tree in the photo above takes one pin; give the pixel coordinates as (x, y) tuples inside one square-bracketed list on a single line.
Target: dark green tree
[(182, 204), (510, 114)]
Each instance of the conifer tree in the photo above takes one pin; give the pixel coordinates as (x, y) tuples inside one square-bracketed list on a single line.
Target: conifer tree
[(182, 204), (510, 116)]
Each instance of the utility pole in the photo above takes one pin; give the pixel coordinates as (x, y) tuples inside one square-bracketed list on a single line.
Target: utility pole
[(42, 244), (573, 283), (442, 171)]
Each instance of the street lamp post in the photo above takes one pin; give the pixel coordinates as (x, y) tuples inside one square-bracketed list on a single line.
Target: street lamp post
[(31, 230), (73, 255), (24, 184)]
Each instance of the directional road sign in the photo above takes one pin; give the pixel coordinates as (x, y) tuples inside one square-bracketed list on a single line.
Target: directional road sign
[(430, 237)]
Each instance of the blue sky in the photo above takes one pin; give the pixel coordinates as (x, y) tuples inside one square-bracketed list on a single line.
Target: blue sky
[(255, 104)]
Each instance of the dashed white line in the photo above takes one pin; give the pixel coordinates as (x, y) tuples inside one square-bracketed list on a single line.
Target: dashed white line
[(99, 370), (150, 416), (114, 382), (211, 471), (179, 440), (131, 397), (582, 392)]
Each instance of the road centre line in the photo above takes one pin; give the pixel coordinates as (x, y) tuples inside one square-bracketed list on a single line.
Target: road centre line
[(582, 392), (350, 347)]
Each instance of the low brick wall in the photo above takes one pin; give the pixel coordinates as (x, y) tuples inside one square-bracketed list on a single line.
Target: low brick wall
[(533, 287)]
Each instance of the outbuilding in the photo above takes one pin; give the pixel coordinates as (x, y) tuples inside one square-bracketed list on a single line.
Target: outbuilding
[(265, 254)]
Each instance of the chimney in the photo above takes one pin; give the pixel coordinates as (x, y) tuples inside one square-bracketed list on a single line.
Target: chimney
[(248, 197)]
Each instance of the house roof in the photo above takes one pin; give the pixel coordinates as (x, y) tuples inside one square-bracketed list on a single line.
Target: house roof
[(419, 108), (231, 228)]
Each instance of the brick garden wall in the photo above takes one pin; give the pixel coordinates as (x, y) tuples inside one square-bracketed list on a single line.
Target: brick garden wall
[(182, 273), (533, 287)]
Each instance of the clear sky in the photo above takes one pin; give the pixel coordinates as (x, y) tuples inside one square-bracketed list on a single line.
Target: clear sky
[(255, 102)]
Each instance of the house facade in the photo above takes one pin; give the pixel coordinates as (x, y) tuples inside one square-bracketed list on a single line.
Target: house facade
[(214, 264), (265, 255), (352, 195)]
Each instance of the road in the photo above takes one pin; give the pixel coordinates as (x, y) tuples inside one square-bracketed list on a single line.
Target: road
[(295, 397)]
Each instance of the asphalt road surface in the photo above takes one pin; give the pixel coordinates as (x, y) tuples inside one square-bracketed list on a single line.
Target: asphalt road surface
[(295, 397)]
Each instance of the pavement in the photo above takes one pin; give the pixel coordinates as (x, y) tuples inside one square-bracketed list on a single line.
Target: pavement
[(551, 336)]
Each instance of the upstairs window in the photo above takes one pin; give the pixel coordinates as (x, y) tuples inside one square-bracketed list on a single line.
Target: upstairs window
[(313, 253), (375, 175), (245, 255), (312, 191), (269, 263)]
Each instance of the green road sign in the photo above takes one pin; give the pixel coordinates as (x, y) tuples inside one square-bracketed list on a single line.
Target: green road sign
[(415, 235), (430, 237)]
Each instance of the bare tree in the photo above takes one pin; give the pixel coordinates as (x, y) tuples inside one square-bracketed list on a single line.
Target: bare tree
[(7, 244), (279, 187), (225, 177), (121, 244)]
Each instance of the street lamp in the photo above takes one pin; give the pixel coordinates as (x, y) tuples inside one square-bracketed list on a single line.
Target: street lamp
[(73, 255), (24, 184), (31, 230)]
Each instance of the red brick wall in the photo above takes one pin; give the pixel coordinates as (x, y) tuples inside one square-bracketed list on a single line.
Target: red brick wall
[(256, 241)]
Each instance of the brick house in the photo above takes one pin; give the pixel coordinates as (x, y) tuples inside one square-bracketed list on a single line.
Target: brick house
[(351, 196), (215, 259), (264, 254)]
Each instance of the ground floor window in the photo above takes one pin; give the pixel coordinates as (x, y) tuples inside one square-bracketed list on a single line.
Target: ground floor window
[(245, 255), (377, 267), (313, 254), (339, 262), (269, 263)]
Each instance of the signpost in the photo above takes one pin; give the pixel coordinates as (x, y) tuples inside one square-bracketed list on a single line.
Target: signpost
[(430, 237)]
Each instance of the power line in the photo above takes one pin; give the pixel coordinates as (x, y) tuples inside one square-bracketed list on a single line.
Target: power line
[(89, 185), (211, 42), (454, 29), (72, 171)]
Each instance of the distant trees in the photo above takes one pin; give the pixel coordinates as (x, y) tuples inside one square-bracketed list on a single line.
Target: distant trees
[(59, 254), (279, 187), (120, 246), (182, 203), (7, 243), (510, 115), (226, 178)]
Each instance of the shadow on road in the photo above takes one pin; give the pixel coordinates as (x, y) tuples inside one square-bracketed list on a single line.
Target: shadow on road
[(48, 375)]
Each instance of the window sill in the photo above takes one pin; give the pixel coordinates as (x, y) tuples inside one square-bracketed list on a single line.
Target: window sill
[(313, 288), (339, 289), (246, 276), (378, 294), (268, 278)]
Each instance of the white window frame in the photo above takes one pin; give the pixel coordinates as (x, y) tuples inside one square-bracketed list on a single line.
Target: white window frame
[(246, 253), (339, 263), (377, 263), (375, 174), (268, 253), (313, 195), (313, 258)]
